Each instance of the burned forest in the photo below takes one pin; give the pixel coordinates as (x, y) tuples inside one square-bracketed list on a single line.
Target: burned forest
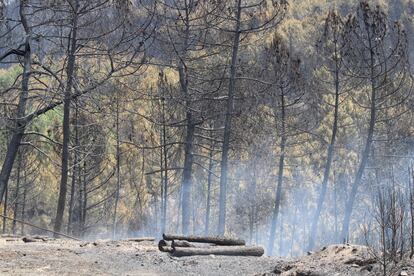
[(207, 137)]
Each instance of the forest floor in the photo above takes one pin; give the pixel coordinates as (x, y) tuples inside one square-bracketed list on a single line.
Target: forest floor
[(66, 257)]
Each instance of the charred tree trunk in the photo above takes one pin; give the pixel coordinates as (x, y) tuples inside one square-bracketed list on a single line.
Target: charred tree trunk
[(187, 172), (164, 156), (23, 213), (227, 123), (74, 172), (5, 203), (253, 207), (17, 192), (327, 170), (365, 154), (208, 203), (118, 167), (66, 121), (20, 122), (189, 137), (280, 176)]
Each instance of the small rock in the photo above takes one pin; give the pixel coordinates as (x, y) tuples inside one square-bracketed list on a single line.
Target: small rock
[(403, 273), (367, 268), (355, 265), (84, 244)]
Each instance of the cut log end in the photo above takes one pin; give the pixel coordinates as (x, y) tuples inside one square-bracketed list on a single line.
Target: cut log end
[(165, 246)]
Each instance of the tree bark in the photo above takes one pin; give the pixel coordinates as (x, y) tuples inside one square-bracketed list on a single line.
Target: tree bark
[(227, 123)]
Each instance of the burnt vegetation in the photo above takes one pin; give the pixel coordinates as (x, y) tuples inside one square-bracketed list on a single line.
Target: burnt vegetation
[(287, 124)]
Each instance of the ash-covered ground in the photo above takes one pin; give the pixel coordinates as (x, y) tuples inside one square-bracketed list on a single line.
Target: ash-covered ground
[(67, 257)]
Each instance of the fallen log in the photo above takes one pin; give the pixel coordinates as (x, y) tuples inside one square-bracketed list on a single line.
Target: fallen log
[(141, 239), (218, 250), (30, 239), (11, 236), (164, 246), (12, 239), (219, 240), (180, 243)]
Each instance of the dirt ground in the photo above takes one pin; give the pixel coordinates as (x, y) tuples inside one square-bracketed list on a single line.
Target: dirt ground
[(66, 257)]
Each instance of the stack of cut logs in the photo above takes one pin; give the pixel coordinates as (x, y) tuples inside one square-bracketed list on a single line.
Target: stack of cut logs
[(180, 246)]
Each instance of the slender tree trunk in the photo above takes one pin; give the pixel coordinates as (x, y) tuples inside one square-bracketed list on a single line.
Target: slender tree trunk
[(188, 163), (84, 199), (180, 204), (6, 198), (335, 208), (20, 122), (253, 206), (331, 149), (118, 167), (17, 192), (281, 236), (365, 154), (66, 121), (23, 213), (79, 210), (165, 163), (194, 212), (280, 177), (189, 137), (293, 231), (74, 173), (161, 181), (227, 123), (208, 203), (411, 204)]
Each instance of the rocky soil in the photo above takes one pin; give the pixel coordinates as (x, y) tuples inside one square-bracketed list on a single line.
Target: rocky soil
[(66, 257)]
